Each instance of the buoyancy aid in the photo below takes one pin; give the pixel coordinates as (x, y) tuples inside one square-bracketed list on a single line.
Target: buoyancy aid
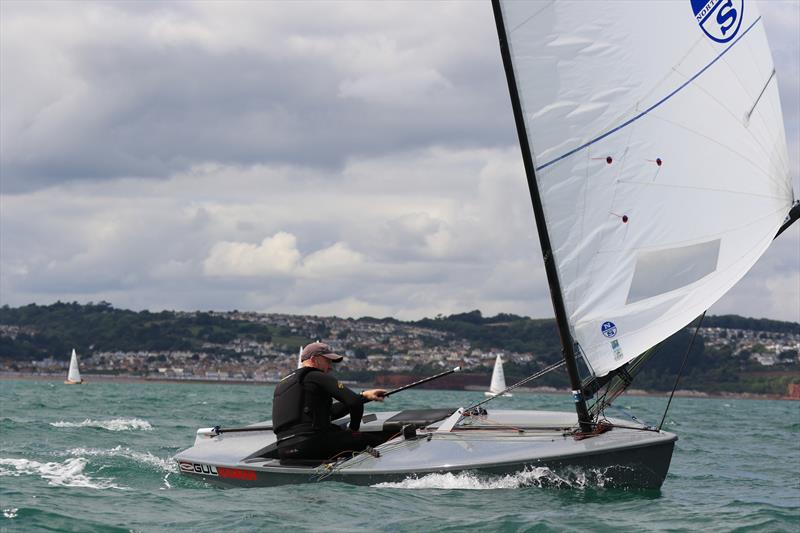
[(289, 401)]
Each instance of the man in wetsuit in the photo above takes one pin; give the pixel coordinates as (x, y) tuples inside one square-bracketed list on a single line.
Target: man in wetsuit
[(303, 409)]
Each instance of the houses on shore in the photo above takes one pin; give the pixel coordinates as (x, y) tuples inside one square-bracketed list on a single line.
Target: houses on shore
[(370, 346)]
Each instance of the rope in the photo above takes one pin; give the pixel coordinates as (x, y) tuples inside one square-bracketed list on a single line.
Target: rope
[(495, 425), (678, 377), (615, 388), (515, 385)]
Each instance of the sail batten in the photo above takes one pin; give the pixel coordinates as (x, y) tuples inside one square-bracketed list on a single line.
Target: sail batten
[(660, 159)]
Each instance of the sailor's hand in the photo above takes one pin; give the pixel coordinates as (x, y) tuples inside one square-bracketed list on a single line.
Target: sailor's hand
[(375, 395)]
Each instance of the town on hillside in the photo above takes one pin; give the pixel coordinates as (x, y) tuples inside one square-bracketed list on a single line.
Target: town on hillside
[(368, 346), (263, 347)]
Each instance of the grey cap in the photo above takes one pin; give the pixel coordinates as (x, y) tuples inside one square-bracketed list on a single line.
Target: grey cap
[(319, 348)]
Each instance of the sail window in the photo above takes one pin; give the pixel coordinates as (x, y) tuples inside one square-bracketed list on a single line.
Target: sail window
[(666, 270)]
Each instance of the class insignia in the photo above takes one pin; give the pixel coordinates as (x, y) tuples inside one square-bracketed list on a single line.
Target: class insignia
[(719, 19)]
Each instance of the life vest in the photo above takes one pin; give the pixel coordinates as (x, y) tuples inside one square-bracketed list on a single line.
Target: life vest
[(289, 401)]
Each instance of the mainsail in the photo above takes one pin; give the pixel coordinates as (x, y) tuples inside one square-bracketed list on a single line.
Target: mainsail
[(74, 374), (657, 139)]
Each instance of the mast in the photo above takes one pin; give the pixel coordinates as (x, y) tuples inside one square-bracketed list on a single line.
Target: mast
[(567, 344)]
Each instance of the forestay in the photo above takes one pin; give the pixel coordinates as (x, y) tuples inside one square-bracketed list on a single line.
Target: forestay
[(657, 136)]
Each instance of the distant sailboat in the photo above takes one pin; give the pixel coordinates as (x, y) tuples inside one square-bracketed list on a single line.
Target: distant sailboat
[(498, 384), (74, 375)]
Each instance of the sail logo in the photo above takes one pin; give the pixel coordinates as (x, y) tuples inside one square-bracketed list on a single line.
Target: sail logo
[(719, 19), (608, 329), (196, 468)]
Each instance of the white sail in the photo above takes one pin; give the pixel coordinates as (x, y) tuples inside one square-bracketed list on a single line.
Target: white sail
[(498, 383), (657, 136), (74, 375)]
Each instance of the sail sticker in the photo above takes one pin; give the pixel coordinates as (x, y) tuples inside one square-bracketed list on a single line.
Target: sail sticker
[(719, 19), (608, 329), (198, 468), (617, 350)]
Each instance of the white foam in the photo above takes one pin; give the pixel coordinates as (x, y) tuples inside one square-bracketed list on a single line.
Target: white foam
[(472, 481), (530, 477), (117, 424), (66, 474), (118, 451), (10, 513)]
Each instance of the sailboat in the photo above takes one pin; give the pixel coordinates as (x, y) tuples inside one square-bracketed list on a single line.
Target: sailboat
[(653, 146), (498, 384), (74, 374)]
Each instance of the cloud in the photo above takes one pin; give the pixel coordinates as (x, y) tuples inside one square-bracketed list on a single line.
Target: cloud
[(108, 90), (333, 262), (275, 255), (287, 157)]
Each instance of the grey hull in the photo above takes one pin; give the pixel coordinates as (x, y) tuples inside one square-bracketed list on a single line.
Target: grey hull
[(500, 443)]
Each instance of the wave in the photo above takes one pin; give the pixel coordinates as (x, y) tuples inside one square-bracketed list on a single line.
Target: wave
[(146, 458), (67, 474), (117, 424), (530, 477)]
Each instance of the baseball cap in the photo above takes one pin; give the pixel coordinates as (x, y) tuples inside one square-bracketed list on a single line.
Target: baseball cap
[(319, 348)]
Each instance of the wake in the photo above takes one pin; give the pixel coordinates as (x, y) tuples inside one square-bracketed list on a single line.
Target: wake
[(530, 477), (117, 424), (69, 473)]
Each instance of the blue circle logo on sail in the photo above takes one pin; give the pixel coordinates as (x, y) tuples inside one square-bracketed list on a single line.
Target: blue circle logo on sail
[(719, 19), (609, 329)]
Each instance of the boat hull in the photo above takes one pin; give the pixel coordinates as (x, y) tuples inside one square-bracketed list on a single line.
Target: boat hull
[(544, 454), (641, 468)]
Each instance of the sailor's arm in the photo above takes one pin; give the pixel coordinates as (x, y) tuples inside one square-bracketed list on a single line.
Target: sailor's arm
[(348, 401), (339, 409)]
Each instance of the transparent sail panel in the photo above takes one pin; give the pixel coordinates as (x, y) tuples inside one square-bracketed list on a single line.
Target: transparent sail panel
[(661, 158), (662, 271)]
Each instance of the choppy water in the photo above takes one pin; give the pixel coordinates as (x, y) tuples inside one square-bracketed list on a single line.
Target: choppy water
[(98, 458)]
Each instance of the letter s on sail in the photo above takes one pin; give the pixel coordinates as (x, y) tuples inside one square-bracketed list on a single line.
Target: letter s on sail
[(724, 13), (720, 20)]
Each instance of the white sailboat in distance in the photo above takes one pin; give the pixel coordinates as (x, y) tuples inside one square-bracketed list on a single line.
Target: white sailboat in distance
[(498, 384), (74, 375)]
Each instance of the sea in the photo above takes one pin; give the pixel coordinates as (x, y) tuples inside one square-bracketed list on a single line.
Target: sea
[(98, 457)]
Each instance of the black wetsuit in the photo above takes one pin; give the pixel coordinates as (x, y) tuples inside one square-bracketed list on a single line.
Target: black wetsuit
[(312, 436)]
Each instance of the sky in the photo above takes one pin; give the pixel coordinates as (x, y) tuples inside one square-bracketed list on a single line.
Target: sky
[(326, 158)]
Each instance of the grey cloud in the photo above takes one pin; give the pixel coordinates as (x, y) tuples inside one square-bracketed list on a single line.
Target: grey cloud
[(144, 108), (231, 122)]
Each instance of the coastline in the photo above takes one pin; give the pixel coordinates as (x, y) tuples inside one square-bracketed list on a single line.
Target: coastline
[(89, 378)]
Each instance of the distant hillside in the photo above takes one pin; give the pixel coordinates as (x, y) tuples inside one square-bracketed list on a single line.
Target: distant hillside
[(57, 328), (753, 324), (732, 353), (506, 331)]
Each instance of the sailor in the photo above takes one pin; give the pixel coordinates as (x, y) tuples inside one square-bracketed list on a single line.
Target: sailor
[(303, 410)]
